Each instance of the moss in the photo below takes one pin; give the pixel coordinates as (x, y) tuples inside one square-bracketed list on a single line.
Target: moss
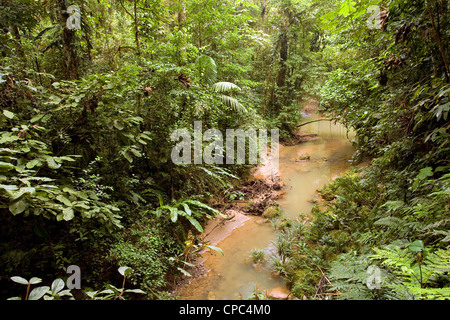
[(304, 282), (271, 212), (340, 238)]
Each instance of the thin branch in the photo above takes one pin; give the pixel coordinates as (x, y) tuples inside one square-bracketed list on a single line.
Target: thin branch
[(312, 121)]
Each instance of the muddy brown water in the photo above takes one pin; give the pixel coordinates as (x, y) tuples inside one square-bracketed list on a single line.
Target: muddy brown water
[(233, 275)]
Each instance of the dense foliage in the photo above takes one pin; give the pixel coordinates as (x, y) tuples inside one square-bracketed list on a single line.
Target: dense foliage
[(89, 97), (392, 215)]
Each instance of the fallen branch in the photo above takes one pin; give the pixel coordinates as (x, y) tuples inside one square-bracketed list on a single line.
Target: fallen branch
[(312, 121), (320, 285)]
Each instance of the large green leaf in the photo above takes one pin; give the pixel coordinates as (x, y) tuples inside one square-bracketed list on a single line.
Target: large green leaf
[(6, 166), (52, 164), (125, 271), (18, 206), (57, 285), (195, 223), (8, 114), (38, 292), (416, 246), (64, 200), (68, 213), (20, 280)]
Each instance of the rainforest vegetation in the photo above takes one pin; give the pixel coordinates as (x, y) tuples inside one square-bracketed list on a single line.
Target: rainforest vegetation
[(90, 92)]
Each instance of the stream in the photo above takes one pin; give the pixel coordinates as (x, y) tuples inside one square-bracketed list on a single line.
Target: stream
[(233, 275)]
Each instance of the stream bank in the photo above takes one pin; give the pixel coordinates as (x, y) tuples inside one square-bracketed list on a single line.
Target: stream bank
[(320, 153)]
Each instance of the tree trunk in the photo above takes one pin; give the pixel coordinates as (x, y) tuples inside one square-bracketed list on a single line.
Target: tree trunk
[(18, 44), (68, 36), (136, 29)]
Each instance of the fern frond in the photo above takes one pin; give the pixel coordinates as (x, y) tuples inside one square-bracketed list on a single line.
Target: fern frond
[(393, 205), (390, 222), (429, 293), (439, 261), (396, 258)]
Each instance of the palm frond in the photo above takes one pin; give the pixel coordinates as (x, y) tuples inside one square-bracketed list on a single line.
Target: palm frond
[(224, 86), (232, 103), (208, 69)]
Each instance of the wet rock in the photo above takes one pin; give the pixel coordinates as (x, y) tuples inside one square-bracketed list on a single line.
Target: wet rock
[(278, 293), (260, 221), (271, 212), (303, 157)]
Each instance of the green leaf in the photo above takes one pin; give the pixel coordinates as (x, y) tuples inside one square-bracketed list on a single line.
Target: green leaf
[(38, 292), (68, 214), (187, 274), (214, 248), (35, 162), (127, 156), (160, 199), (6, 166), (18, 206), (125, 271), (416, 246), (35, 280), (107, 291), (119, 126), (52, 163), (57, 285), (208, 69), (203, 206), (425, 173), (91, 294), (65, 293), (37, 118), (135, 291), (137, 153), (233, 103), (19, 280), (8, 114), (195, 223), (8, 137), (9, 188), (173, 214), (64, 200), (186, 209), (29, 190), (347, 7)]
